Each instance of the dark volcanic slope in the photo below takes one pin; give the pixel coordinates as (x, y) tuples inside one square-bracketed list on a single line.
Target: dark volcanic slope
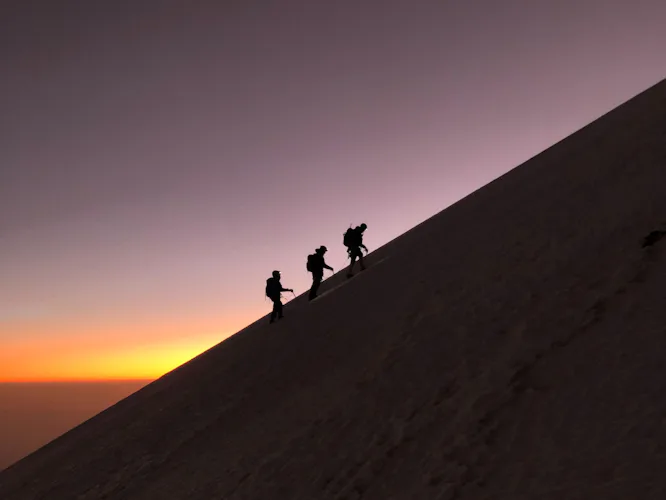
[(510, 347)]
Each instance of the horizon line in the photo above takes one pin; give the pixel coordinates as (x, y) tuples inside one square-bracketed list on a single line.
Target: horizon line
[(75, 380)]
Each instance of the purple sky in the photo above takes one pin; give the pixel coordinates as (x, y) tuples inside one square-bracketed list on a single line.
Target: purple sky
[(160, 159)]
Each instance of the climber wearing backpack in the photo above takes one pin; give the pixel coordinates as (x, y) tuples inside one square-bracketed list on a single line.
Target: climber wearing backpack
[(353, 240), (316, 266), (273, 292)]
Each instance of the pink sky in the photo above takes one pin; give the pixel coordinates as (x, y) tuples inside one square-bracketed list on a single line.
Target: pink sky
[(160, 161)]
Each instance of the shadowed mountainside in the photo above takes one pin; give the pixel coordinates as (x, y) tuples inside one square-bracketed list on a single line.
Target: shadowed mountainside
[(34, 413), (509, 347)]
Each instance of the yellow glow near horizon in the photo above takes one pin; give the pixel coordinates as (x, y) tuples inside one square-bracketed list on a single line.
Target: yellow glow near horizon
[(65, 360)]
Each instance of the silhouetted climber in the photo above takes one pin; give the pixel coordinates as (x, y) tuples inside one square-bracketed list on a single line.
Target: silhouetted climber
[(274, 292), (316, 266), (353, 240)]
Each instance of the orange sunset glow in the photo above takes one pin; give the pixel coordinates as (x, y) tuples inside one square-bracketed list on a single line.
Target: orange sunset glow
[(100, 355)]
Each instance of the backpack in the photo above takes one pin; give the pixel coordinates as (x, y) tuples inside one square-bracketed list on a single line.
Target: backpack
[(310, 266), (272, 288), (349, 239)]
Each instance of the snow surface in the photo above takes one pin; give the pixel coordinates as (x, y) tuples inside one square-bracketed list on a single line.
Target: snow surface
[(510, 347)]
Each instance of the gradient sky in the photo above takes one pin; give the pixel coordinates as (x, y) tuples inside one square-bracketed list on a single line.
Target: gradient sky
[(159, 159)]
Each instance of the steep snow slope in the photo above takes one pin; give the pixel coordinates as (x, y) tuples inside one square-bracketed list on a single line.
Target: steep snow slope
[(509, 347)]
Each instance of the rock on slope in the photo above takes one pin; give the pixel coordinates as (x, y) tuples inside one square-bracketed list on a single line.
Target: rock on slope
[(509, 347)]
